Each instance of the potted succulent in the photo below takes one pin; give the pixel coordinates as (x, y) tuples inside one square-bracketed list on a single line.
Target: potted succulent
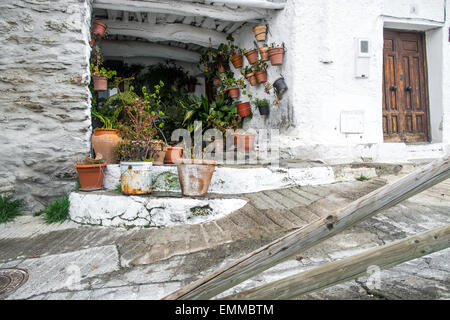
[(106, 139), (99, 28), (135, 151), (100, 75), (276, 54), (260, 70), (264, 52), (260, 32), (91, 173), (263, 106), (195, 175), (251, 55)]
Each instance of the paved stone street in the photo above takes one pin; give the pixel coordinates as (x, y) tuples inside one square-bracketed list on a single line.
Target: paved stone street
[(149, 263)]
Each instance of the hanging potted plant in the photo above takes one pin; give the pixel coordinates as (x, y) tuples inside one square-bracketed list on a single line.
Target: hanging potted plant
[(263, 106), (244, 109), (252, 55), (195, 175), (260, 32), (280, 87), (191, 83), (276, 54), (264, 52), (231, 85), (99, 28), (91, 173), (249, 75), (260, 70), (100, 75), (106, 139), (235, 54)]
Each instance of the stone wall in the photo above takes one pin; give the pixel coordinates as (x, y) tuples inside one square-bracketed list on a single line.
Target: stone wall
[(45, 100)]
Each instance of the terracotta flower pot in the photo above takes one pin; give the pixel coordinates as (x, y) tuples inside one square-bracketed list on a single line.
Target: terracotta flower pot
[(195, 176), (220, 67), (244, 109), (261, 76), (90, 176), (158, 153), (100, 82), (264, 53), (244, 141), (260, 33), (99, 28), (233, 93), (237, 61), (276, 56), (172, 154), (251, 78), (252, 56), (104, 142)]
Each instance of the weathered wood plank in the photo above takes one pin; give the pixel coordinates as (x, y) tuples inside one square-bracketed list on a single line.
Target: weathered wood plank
[(316, 232), (350, 268)]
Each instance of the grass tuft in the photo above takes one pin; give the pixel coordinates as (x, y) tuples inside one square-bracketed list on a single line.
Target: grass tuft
[(362, 178), (57, 211), (10, 209)]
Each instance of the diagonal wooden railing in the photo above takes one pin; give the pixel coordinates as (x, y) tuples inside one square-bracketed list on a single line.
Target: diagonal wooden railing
[(316, 232)]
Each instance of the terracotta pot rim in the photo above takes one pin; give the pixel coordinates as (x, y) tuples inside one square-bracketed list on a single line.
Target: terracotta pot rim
[(238, 55), (242, 103), (182, 161), (273, 51), (98, 76), (105, 129), (174, 147), (100, 23), (90, 166), (261, 71), (251, 52)]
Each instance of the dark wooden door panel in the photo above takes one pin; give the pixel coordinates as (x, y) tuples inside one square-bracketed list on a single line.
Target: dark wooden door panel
[(405, 97)]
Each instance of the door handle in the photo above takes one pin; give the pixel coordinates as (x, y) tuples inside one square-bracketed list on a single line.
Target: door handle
[(408, 88), (393, 88)]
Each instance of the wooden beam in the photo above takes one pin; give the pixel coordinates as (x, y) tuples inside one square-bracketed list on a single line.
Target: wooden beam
[(168, 32), (260, 4), (183, 9), (316, 232), (114, 49), (350, 268)]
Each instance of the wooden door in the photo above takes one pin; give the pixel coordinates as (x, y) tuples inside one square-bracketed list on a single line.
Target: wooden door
[(405, 88)]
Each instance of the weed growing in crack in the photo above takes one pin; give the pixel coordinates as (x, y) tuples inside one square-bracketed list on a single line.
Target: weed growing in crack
[(362, 178), (57, 211), (10, 209)]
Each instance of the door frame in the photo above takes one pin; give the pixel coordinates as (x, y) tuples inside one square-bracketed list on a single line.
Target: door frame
[(426, 91)]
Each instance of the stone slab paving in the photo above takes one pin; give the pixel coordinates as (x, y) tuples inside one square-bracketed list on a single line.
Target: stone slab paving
[(150, 263)]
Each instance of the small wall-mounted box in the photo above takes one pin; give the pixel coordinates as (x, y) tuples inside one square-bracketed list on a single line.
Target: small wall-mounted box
[(362, 58)]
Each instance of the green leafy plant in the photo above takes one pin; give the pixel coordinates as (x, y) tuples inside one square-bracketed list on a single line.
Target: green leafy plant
[(261, 102), (196, 109), (56, 211), (10, 209), (97, 60), (223, 115), (362, 178), (260, 66)]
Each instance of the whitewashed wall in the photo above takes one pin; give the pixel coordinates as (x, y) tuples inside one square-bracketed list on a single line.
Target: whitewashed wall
[(44, 100), (320, 70)]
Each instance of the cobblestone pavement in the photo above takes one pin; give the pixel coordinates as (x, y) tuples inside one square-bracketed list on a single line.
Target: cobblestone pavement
[(144, 263)]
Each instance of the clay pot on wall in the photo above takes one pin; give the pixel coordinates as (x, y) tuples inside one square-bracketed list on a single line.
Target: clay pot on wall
[(260, 33), (264, 53), (104, 142), (251, 78), (100, 82), (99, 28), (90, 176), (237, 61), (252, 56), (136, 177), (244, 109), (159, 153), (195, 176), (233, 93), (172, 154), (244, 141), (276, 56), (261, 76)]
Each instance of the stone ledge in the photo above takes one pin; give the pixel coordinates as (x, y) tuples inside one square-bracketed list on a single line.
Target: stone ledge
[(112, 209)]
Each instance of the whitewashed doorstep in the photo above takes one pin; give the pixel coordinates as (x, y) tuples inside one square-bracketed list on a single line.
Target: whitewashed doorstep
[(115, 210), (228, 180)]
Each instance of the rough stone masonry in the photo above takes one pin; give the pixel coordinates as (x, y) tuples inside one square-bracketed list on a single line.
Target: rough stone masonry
[(44, 96)]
